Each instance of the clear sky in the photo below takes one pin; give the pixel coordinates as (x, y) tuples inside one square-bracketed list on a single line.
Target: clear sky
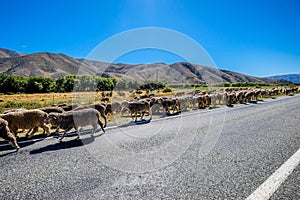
[(254, 37)]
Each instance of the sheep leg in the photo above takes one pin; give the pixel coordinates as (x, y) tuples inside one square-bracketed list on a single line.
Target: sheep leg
[(78, 132), (35, 129), (101, 125), (105, 119), (11, 137), (57, 129), (131, 113), (14, 130), (46, 129), (136, 115), (150, 113), (94, 128), (27, 134), (63, 135)]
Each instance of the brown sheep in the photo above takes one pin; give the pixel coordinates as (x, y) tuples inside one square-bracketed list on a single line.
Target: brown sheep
[(170, 105), (14, 110), (230, 98), (140, 107), (250, 96), (52, 109), (68, 107), (7, 135), (108, 109), (76, 119), (28, 119), (199, 100)]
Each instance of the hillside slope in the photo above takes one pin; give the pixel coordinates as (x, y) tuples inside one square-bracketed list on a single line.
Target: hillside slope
[(56, 65)]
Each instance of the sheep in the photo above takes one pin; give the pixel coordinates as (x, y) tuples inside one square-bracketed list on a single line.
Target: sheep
[(140, 107), (170, 104), (183, 103), (250, 96), (76, 119), (68, 107), (28, 119), (257, 94), (124, 105), (220, 98), (240, 96), (7, 135), (108, 109), (17, 110), (101, 108), (14, 110), (113, 108), (230, 98), (207, 100), (200, 101), (116, 107), (155, 105), (263, 93), (105, 99), (288, 91), (213, 100), (179, 94), (193, 101), (52, 109)]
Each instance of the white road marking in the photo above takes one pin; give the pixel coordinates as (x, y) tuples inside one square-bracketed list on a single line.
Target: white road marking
[(267, 189)]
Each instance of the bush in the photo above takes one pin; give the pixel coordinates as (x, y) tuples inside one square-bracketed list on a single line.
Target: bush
[(167, 89), (152, 85)]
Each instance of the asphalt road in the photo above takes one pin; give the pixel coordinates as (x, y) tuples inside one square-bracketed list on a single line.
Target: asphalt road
[(222, 153)]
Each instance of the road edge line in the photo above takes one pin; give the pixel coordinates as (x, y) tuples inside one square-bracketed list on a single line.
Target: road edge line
[(269, 187)]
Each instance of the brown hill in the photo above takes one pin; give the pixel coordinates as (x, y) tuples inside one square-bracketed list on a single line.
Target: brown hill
[(5, 53), (42, 64), (56, 65)]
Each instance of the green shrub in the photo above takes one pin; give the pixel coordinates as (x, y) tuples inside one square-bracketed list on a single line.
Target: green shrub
[(167, 89)]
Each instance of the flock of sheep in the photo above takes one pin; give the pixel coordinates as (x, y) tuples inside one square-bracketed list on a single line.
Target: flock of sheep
[(77, 116)]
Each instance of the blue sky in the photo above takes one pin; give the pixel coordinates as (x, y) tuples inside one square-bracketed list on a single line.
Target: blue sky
[(254, 37)]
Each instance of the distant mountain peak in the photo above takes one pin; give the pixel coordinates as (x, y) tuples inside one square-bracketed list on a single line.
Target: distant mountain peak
[(5, 53), (294, 78)]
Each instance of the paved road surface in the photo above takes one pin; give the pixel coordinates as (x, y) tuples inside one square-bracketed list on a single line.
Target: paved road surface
[(223, 153)]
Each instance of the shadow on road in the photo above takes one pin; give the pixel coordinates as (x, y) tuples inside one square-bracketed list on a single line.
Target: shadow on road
[(132, 123), (66, 144), (8, 146)]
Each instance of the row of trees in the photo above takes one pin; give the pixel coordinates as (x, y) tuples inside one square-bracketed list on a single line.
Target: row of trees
[(10, 84)]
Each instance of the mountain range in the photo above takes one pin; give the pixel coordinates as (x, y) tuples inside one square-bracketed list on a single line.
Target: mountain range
[(56, 65), (294, 78)]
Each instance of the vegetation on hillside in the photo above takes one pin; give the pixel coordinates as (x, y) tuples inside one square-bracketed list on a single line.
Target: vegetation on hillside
[(12, 84)]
